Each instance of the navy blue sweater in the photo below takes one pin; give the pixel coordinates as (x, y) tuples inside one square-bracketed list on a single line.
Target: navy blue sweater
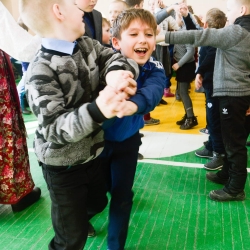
[(150, 86), (206, 65)]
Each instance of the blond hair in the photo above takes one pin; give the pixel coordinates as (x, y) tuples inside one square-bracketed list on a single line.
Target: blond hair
[(216, 18), (105, 21), (36, 14), (124, 19)]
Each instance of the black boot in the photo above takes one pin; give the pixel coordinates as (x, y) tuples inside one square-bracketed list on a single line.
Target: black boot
[(27, 200), (189, 123), (182, 121), (91, 231)]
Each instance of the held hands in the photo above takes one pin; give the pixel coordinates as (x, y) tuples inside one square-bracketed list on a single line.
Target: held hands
[(129, 108), (122, 81), (198, 81), (110, 101)]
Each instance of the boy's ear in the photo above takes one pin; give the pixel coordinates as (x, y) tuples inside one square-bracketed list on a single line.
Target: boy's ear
[(115, 43), (243, 10), (57, 11)]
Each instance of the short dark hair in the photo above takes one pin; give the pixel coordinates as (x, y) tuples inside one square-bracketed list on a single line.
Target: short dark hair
[(124, 19), (216, 18), (132, 3)]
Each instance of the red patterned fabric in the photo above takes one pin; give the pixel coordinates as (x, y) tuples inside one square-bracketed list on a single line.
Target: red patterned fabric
[(15, 176)]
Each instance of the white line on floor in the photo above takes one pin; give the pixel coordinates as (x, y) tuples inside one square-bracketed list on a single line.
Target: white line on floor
[(174, 163)]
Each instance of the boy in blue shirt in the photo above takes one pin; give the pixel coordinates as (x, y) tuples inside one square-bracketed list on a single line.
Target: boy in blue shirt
[(133, 34)]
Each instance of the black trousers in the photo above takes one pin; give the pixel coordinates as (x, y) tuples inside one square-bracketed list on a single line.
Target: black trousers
[(215, 141), (77, 193), (235, 130)]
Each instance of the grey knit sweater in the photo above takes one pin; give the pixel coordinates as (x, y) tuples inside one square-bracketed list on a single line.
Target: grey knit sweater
[(183, 53), (61, 90), (232, 62)]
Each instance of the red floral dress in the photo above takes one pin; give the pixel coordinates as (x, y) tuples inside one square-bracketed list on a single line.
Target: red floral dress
[(15, 176)]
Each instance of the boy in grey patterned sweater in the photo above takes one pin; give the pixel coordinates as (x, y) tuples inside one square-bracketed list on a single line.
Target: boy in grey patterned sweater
[(63, 84)]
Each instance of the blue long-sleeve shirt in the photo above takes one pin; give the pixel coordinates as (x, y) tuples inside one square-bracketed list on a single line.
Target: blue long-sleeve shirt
[(150, 87)]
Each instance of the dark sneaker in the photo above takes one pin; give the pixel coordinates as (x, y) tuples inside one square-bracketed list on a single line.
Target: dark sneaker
[(204, 131), (151, 121), (216, 162), (221, 195), (182, 120), (189, 123), (213, 177), (204, 153), (163, 102), (91, 231), (140, 156)]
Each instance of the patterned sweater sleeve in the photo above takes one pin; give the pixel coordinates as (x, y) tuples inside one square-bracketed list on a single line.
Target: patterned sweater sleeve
[(108, 61), (57, 100)]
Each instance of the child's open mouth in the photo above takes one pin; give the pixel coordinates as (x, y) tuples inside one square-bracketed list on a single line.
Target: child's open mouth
[(141, 51)]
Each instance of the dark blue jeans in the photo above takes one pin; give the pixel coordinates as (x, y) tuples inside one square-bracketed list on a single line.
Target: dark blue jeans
[(235, 130), (120, 160), (215, 141), (77, 194)]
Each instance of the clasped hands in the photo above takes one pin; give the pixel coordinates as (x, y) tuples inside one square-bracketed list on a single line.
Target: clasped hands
[(113, 99)]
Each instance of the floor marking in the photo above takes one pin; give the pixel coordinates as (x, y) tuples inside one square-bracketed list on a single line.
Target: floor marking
[(178, 164)]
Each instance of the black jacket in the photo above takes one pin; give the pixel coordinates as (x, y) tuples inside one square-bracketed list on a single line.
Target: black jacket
[(97, 17)]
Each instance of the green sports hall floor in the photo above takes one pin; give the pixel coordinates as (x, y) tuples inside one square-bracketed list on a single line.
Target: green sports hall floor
[(171, 209)]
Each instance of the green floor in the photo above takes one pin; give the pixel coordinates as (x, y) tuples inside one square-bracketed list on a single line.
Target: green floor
[(171, 211)]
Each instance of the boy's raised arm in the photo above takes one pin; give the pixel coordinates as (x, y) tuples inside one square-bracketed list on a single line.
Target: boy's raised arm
[(224, 38)]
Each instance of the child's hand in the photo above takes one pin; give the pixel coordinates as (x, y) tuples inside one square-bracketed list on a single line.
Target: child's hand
[(248, 112), (198, 81), (122, 80), (129, 108), (110, 101), (175, 66), (183, 9)]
